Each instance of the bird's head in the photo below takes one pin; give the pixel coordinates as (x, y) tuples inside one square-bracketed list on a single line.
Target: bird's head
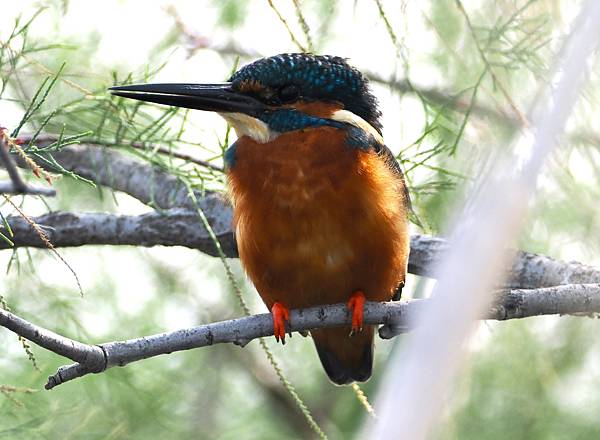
[(278, 94)]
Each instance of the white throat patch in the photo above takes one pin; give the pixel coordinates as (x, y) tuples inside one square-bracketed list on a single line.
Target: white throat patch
[(245, 125)]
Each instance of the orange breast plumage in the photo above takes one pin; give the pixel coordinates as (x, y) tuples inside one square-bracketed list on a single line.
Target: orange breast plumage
[(316, 220)]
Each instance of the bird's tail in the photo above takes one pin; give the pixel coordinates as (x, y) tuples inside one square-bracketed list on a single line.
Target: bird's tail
[(345, 359)]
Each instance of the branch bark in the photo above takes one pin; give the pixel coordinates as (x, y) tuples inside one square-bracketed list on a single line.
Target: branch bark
[(173, 227), (108, 167), (181, 227), (396, 318)]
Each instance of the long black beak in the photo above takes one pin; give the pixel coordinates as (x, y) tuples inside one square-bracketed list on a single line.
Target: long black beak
[(210, 97)]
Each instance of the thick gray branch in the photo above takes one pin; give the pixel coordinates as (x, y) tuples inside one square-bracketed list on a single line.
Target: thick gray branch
[(173, 227), (113, 169), (395, 317), (47, 139), (181, 227), (528, 270)]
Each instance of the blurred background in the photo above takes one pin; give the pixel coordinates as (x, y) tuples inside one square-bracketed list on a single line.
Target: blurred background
[(453, 81)]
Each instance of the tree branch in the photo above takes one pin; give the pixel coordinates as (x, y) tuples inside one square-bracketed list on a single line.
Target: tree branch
[(31, 190), (173, 227), (396, 318), (528, 270), (181, 227), (107, 167)]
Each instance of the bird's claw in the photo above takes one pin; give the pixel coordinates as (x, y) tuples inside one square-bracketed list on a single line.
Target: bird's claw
[(356, 304), (281, 317)]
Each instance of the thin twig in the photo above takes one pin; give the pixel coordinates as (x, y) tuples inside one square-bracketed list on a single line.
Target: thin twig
[(167, 152), (388, 25), (287, 26), (47, 139), (38, 171), (44, 238), (43, 69), (31, 190), (17, 185), (522, 118), (303, 25), (363, 399), (22, 340)]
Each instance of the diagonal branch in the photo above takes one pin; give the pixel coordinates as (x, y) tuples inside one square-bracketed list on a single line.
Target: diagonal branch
[(107, 167), (196, 41), (396, 318), (110, 168)]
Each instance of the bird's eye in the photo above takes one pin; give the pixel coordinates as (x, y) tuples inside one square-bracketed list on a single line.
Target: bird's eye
[(288, 93)]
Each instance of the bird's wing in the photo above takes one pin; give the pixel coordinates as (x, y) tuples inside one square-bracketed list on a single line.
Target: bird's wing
[(393, 164), (387, 155)]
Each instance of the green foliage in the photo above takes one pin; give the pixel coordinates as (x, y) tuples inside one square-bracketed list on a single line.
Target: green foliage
[(522, 386), (231, 12), (528, 380)]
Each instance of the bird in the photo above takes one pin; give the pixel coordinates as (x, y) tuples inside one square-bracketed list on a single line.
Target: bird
[(320, 204)]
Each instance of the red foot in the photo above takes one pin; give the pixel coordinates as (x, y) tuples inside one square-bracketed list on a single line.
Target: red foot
[(281, 315), (356, 304)]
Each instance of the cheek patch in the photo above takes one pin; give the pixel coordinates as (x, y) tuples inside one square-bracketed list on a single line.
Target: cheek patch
[(350, 118)]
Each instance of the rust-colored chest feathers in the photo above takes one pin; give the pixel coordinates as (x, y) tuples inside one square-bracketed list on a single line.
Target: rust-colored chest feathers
[(316, 220)]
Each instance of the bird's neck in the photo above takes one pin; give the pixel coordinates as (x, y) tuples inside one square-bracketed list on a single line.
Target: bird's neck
[(304, 115)]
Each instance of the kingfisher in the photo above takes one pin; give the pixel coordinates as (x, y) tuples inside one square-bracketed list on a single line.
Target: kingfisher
[(320, 203)]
